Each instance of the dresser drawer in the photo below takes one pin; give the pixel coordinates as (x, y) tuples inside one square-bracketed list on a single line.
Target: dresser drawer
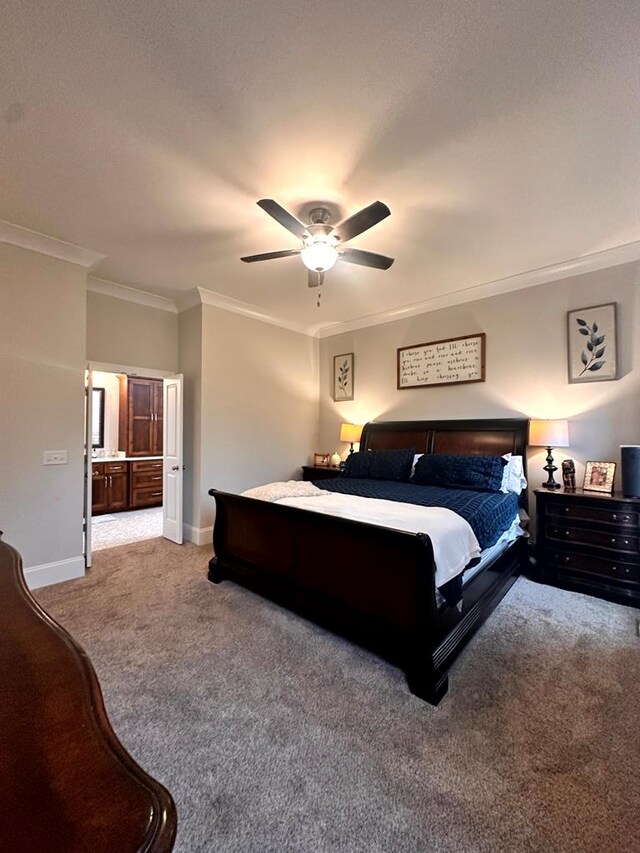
[(614, 541), (147, 465), (149, 496), (115, 467), (607, 567), (618, 515), (146, 479)]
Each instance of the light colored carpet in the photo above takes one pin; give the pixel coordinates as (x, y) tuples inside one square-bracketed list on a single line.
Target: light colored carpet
[(123, 528), (274, 735)]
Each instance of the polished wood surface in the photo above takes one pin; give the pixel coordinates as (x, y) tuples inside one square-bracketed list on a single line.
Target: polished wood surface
[(589, 542), (140, 416), (319, 472), (370, 583), (68, 785)]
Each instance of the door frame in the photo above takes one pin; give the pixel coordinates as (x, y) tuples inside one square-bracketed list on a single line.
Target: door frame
[(108, 367)]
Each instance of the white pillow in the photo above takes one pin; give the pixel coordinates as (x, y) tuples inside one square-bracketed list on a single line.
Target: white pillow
[(513, 479), (413, 464)]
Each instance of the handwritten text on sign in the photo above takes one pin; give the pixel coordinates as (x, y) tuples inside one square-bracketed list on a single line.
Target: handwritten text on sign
[(442, 362)]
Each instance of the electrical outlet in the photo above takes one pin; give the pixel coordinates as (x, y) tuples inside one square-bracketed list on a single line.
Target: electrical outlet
[(54, 457)]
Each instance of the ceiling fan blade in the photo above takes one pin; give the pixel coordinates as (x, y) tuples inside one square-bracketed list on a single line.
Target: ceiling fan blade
[(361, 221), (315, 278), (283, 217), (269, 256), (366, 259)]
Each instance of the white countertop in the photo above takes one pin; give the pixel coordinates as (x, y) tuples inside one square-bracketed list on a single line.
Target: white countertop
[(125, 458)]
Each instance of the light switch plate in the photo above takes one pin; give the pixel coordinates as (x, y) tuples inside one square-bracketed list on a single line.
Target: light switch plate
[(54, 457)]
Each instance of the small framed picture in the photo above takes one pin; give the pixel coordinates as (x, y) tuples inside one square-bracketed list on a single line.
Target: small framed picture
[(321, 460), (592, 344), (343, 377), (599, 476)]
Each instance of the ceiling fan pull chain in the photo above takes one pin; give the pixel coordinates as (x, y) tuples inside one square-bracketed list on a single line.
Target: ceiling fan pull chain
[(319, 290)]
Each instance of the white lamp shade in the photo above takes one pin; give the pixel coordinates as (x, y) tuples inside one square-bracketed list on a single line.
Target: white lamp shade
[(549, 433), (350, 432)]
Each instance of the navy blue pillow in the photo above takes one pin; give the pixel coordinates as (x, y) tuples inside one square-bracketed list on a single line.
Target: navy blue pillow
[(380, 465), (456, 471)]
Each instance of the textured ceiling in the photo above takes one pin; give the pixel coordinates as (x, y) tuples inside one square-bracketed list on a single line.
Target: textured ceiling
[(504, 136)]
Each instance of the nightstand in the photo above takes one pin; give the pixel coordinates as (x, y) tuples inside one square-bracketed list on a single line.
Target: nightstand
[(311, 472), (589, 542)]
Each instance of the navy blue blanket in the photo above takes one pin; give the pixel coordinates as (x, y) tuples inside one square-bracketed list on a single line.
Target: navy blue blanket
[(488, 513)]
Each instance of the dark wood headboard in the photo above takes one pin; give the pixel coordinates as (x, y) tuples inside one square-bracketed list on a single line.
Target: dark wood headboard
[(474, 437)]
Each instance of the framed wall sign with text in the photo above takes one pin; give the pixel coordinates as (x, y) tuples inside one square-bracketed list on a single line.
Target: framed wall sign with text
[(453, 361)]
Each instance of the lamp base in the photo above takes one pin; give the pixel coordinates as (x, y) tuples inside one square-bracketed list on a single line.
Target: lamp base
[(550, 468), (351, 448)]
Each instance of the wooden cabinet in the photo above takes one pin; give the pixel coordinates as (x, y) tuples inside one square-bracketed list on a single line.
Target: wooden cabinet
[(141, 417), (312, 472), (146, 483), (589, 542), (109, 486)]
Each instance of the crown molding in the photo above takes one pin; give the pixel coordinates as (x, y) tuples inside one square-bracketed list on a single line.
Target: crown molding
[(217, 300), (16, 235), (130, 294), (615, 256)]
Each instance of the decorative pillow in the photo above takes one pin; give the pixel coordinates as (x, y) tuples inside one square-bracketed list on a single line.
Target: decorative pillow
[(513, 479), (456, 471), (380, 465)]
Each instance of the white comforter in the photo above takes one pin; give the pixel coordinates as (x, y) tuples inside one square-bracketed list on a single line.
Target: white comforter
[(454, 542)]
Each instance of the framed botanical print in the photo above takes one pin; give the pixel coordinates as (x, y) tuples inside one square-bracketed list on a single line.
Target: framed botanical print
[(592, 344), (343, 377)]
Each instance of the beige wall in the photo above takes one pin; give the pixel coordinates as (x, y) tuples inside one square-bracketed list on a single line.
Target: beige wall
[(526, 370), (259, 403), (124, 333), (42, 360)]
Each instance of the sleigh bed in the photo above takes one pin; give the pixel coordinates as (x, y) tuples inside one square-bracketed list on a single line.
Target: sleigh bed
[(375, 585)]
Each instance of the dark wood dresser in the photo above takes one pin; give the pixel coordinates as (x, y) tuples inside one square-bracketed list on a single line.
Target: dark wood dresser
[(317, 472), (68, 785), (589, 542)]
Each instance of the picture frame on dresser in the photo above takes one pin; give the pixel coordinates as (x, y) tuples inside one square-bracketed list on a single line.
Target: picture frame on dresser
[(592, 344), (599, 477)]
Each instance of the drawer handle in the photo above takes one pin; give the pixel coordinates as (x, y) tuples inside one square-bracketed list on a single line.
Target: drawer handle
[(615, 516), (626, 541), (155, 478), (567, 559), (613, 541), (156, 494)]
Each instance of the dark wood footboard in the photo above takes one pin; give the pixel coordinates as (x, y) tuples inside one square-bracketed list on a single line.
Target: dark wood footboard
[(372, 584), (67, 782)]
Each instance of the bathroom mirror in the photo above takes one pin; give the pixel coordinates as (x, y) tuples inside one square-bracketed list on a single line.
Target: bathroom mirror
[(97, 418)]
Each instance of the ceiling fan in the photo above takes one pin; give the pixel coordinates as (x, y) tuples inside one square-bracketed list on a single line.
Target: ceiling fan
[(323, 244)]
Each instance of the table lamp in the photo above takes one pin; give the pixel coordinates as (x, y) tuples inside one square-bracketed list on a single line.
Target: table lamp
[(549, 434), (350, 433)]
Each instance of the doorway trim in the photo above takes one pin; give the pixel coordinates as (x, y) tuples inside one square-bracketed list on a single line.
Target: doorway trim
[(130, 370)]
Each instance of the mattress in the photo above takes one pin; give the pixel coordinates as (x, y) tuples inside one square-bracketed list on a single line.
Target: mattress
[(488, 513)]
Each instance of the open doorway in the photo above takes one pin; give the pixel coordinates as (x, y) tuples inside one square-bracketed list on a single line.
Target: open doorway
[(133, 458)]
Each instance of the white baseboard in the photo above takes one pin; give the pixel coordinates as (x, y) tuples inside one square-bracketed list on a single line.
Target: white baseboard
[(48, 573), (197, 535)]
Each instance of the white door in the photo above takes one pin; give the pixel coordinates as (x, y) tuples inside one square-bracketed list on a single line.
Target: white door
[(88, 470), (172, 470)]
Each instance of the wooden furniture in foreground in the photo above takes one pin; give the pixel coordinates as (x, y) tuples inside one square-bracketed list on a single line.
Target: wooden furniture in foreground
[(589, 542), (373, 584), (68, 785), (140, 416), (318, 472)]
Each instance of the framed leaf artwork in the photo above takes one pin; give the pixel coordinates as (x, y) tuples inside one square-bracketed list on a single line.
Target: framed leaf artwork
[(592, 346), (343, 377)]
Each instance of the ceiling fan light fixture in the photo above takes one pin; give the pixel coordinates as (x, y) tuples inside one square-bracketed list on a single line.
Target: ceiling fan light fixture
[(319, 256)]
